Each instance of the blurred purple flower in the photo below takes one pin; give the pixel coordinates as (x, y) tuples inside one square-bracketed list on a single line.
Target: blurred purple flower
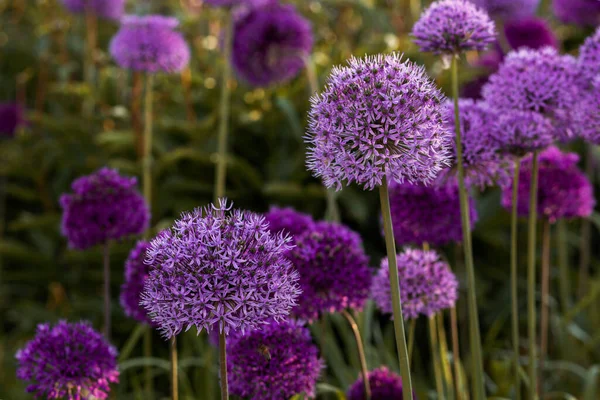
[(520, 132), (532, 32), (69, 360), (136, 272), (587, 113), (218, 266), (150, 44), (578, 12), (589, 56), (108, 9), (288, 221), (385, 385), (509, 9), (104, 206), (11, 118), (378, 116)]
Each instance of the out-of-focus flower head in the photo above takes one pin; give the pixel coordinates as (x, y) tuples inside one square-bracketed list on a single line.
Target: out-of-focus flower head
[(11, 118), (384, 384), (288, 221), (578, 12), (532, 32), (136, 272), (107, 9), (589, 56), (509, 9), (520, 132)]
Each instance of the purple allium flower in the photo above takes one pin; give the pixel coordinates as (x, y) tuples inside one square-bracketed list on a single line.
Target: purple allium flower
[(385, 385), (587, 113), (453, 27), (334, 270), (509, 9), (274, 362), (379, 116), (532, 32), (11, 118), (136, 272), (589, 56), (270, 44), (483, 164), (103, 206), (218, 265), (427, 213), (579, 12), (237, 3), (150, 44), (520, 132), (288, 221), (69, 360), (563, 190), (107, 9), (427, 285)]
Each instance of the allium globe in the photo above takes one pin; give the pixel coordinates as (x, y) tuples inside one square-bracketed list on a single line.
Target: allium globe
[(104, 206), (107, 9), (150, 44), (589, 56), (509, 9), (427, 285), (385, 385), (532, 32), (218, 265), (578, 12), (334, 270), (587, 113), (288, 221), (427, 214), (521, 132), (274, 362), (11, 118), (378, 116), (136, 272), (68, 360), (270, 44), (453, 27), (563, 190)]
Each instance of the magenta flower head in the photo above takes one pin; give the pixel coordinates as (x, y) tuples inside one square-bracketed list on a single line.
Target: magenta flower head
[(483, 164), (578, 12), (274, 362), (68, 361), (270, 44), (150, 44), (11, 118), (508, 9), (385, 385), (520, 132), (107, 9), (288, 221), (136, 272), (427, 213), (453, 27), (532, 32), (378, 116), (589, 55), (427, 285), (218, 265), (563, 190), (103, 206), (587, 113), (334, 270)]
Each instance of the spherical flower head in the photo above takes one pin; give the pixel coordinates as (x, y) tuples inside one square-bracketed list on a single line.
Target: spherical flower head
[(378, 116), (11, 118), (270, 44), (288, 221), (68, 360), (150, 44), (104, 206), (334, 270), (427, 285), (508, 9), (136, 272), (520, 132), (587, 113), (218, 265), (564, 191), (589, 56), (453, 27), (483, 164), (578, 12), (385, 385), (274, 362), (531, 32), (427, 213), (107, 9)]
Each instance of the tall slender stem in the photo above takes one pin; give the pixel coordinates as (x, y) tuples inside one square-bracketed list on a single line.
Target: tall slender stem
[(223, 365), (435, 355), (174, 370), (106, 267), (474, 335), (514, 278), (147, 156), (456, 353), (564, 282), (395, 288), (545, 300), (411, 339), (531, 245), (361, 352), (586, 231), (91, 24), (136, 112), (224, 111), (447, 371), (148, 369)]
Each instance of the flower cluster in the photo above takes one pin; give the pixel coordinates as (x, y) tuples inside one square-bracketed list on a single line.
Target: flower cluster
[(379, 116), (587, 113), (532, 32), (288, 221), (11, 118), (384, 384), (218, 266), (136, 272), (150, 44), (334, 270), (453, 27), (274, 362), (68, 360), (104, 206), (589, 56), (563, 190), (427, 213), (579, 12), (270, 44), (427, 285), (108, 9), (520, 132), (509, 10)]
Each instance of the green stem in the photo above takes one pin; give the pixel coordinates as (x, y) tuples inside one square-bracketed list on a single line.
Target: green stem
[(435, 355), (147, 150), (474, 335), (224, 111), (148, 369), (545, 301), (514, 279), (411, 339), (564, 282), (223, 365), (395, 289), (361, 352), (174, 370), (458, 383), (531, 317), (447, 371), (91, 24), (106, 268)]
